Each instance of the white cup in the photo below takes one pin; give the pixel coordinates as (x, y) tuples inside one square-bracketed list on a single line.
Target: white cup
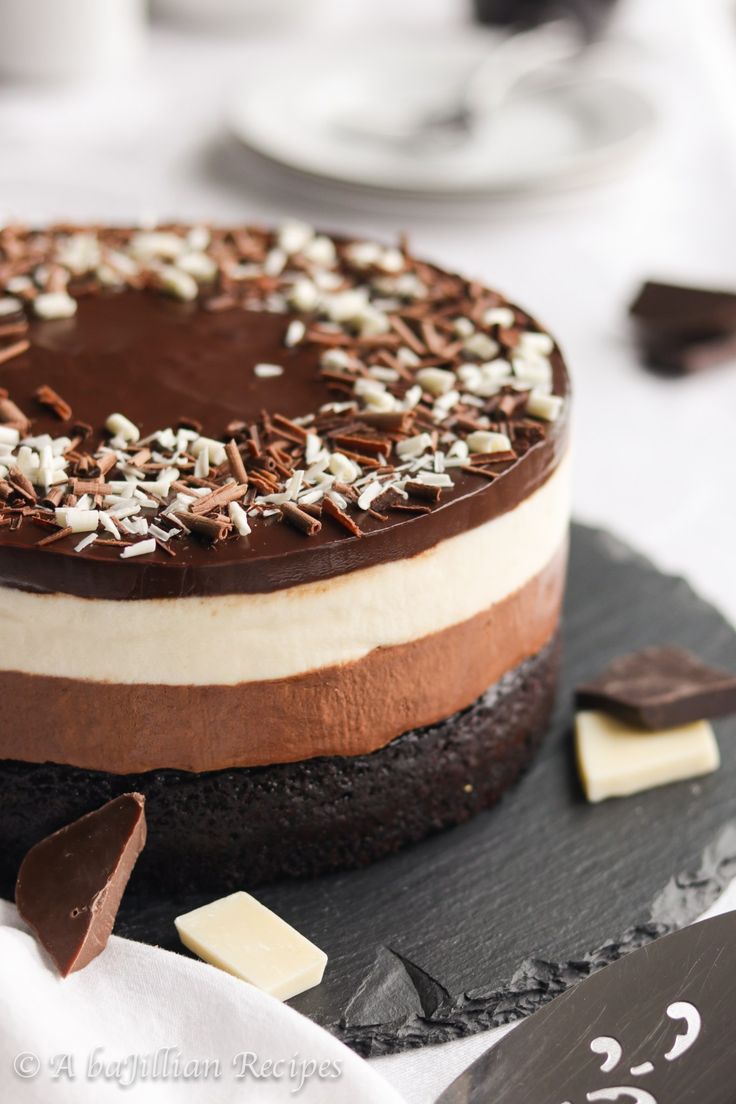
[(49, 40)]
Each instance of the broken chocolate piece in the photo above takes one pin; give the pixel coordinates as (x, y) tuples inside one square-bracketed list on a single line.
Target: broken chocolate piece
[(683, 329), (659, 688), (70, 884), (671, 357), (686, 311)]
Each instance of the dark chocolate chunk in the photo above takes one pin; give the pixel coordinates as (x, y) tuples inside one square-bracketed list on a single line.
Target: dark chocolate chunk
[(70, 884), (670, 357), (659, 688), (682, 330), (688, 312), (652, 1028)]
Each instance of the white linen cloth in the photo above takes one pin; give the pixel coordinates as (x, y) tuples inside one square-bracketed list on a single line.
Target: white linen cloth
[(84, 1039)]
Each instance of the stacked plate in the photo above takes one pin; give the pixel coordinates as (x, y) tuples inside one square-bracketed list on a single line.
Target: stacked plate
[(356, 120)]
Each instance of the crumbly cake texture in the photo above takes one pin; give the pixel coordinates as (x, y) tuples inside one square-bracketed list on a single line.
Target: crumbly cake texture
[(431, 384), (225, 829)]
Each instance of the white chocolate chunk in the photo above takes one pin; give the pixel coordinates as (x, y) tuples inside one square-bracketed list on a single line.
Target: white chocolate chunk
[(9, 436), (294, 236), (268, 371), (241, 936), (343, 468), (239, 518), (79, 521), (55, 304), (481, 345), (120, 426), (363, 254), (544, 406), (178, 283), (215, 449), (162, 244), (438, 381), (531, 341), (435, 479), (616, 759), (304, 295), (295, 331), (197, 264), (485, 440), (499, 316), (321, 251), (412, 447), (392, 260), (85, 542), (142, 548), (9, 305), (371, 492), (463, 327)]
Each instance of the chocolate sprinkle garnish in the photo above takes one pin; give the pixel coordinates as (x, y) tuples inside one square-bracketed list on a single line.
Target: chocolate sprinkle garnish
[(381, 433)]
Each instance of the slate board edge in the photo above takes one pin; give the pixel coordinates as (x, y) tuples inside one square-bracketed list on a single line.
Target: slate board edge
[(536, 982)]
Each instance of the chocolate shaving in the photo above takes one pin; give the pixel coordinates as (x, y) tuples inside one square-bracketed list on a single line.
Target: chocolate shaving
[(391, 421), (332, 510), (52, 537), (12, 415), (9, 352), (299, 519), (484, 472), (11, 329), (107, 463), (380, 446), (53, 497), (229, 493), (407, 334), (423, 490), (21, 484), (140, 458), (90, 487), (235, 460), (46, 396), (211, 529), (411, 508)]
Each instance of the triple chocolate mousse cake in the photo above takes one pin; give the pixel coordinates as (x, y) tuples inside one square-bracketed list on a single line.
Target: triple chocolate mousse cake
[(283, 530)]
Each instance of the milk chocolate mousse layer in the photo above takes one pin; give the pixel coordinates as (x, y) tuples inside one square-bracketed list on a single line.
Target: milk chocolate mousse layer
[(265, 496), (246, 825)]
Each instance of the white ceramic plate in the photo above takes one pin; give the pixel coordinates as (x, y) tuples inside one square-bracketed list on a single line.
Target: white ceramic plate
[(313, 116)]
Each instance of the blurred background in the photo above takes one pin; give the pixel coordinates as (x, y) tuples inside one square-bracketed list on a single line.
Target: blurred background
[(563, 150)]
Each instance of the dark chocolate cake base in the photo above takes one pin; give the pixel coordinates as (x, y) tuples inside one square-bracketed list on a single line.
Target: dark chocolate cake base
[(242, 827)]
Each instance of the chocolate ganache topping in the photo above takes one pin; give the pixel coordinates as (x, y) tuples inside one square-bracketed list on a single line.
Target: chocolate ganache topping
[(194, 410)]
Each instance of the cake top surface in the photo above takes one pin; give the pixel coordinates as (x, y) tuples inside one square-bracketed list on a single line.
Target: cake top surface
[(193, 410)]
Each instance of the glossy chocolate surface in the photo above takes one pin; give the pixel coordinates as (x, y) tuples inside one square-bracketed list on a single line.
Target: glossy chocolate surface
[(157, 361)]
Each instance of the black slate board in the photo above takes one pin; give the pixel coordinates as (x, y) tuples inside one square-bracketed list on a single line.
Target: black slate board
[(484, 923)]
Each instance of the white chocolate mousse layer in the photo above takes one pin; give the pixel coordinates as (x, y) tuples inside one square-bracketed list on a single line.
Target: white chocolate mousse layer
[(232, 639)]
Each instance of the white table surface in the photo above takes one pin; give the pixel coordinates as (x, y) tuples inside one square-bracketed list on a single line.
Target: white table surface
[(654, 459)]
